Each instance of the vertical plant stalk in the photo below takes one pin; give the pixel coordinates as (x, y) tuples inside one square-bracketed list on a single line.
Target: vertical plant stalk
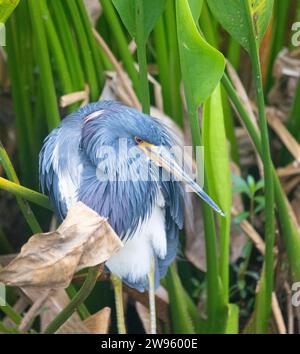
[(289, 230), (118, 289), (174, 63), (43, 60), (262, 321), (25, 208), (56, 48), (85, 50), (20, 83), (142, 58), (96, 52), (78, 299), (234, 53), (116, 29), (163, 64), (151, 281), (212, 272), (182, 322), (67, 41)]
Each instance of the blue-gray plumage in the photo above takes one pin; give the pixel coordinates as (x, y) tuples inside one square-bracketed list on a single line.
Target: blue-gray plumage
[(147, 215), (84, 159)]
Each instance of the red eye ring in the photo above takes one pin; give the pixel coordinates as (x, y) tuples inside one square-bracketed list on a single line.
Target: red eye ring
[(138, 140)]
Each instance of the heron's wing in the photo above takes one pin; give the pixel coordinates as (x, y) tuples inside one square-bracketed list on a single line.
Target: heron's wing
[(60, 165)]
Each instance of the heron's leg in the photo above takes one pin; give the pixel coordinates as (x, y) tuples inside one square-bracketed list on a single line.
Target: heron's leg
[(117, 283), (151, 276)]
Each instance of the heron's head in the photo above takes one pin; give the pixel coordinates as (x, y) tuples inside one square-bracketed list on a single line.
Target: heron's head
[(116, 137)]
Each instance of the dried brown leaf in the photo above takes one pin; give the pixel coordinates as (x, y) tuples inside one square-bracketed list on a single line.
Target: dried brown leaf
[(286, 71), (99, 322), (49, 260)]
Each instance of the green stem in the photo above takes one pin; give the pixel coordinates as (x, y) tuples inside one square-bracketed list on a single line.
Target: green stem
[(26, 193), (56, 49), (213, 286), (66, 38), (262, 322), (22, 109), (142, 58), (78, 299), (207, 27), (174, 62), (118, 290), (43, 60), (11, 174), (116, 29), (9, 330), (163, 64), (11, 313), (92, 42), (82, 310), (151, 295), (234, 53), (289, 230), (85, 50)]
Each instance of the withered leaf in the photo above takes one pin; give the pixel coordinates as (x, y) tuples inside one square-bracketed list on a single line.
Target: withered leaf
[(49, 260), (99, 322)]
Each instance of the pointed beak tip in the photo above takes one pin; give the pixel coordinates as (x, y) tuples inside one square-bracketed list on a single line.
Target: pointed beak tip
[(222, 214)]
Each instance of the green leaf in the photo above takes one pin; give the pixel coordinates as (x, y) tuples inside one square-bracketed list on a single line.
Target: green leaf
[(181, 320), (233, 16), (240, 185), (217, 164), (251, 184), (259, 185), (232, 326), (6, 8), (217, 168), (196, 7), (127, 11), (202, 65), (241, 216)]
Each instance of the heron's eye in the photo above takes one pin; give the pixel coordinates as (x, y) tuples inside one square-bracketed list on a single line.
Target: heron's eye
[(138, 140)]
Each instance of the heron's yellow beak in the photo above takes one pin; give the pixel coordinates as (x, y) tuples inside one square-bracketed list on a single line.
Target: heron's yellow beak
[(162, 159)]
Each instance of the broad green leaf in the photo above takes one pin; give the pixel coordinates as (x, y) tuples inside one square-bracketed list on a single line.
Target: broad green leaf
[(196, 7), (217, 169), (202, 65), (232, 326), (234, 17), (6, 8), (181, 320), (216, 159), (127, 11)]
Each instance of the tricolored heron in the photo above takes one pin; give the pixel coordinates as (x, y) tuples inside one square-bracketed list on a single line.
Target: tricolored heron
[(85, 159)]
